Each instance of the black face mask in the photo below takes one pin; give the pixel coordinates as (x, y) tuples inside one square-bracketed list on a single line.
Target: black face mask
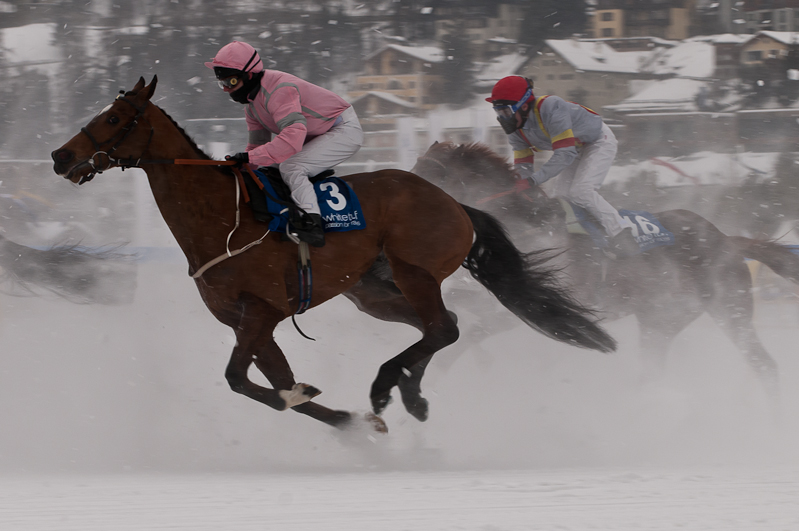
[(248, 91)]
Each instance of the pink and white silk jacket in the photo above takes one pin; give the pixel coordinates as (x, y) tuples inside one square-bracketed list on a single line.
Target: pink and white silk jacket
[(294, 110)]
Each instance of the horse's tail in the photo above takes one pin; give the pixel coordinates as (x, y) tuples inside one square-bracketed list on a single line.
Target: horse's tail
[(528, 288), (778, 258), (73, 272)]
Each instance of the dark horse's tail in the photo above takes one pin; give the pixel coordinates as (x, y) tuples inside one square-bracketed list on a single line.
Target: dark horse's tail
[(529, 289), (73, 272), (778, 258)]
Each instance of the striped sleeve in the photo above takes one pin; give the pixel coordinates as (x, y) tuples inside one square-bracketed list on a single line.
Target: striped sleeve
[(523, 155), (564, 139)]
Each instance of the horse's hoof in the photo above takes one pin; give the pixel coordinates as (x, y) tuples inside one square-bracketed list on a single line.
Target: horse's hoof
[(380, 404), (299, 394), (418, 408), (376, 422)]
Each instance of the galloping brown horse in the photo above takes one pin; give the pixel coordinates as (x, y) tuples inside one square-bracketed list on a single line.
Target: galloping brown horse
[(419, 231), (666, 288)]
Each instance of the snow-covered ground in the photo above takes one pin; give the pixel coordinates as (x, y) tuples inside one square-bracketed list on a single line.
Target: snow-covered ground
[(609, 499), (120, 418)]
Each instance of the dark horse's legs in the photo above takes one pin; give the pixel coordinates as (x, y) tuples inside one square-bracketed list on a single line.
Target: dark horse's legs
[(422, 294), (733, 310), (254, 329)]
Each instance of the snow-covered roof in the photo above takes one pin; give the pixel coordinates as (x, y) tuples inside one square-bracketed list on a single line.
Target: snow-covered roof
[(675, 95), (429, 54), (499, 67), (689, 59), (722, 38), (596, 56), (785, 37), (387, 97)]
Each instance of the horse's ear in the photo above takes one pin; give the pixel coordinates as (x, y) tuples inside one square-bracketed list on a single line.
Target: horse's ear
[(139, 85), (435, 143), (150, 89)]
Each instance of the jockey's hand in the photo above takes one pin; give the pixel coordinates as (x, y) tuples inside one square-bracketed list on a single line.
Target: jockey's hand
[(239, 158), (521, 185)]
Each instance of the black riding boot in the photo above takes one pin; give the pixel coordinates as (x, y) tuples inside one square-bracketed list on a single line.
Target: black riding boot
[(309, 229)]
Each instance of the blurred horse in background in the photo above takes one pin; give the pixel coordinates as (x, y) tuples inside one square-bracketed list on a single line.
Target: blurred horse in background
[(666, 288), (421, 234), (77, 274)]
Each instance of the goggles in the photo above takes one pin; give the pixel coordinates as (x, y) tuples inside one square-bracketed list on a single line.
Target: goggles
[(506, 114), (231, 82)]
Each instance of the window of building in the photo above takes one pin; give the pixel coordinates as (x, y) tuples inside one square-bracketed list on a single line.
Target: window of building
[(567, 76), (754, 55), (607, 32), (607, 17), (550, 76)]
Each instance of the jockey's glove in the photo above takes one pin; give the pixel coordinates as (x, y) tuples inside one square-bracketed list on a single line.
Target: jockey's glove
[(524, 176), (239, 158)]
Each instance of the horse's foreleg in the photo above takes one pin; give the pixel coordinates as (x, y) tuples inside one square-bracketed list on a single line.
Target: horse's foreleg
[(255, 344), (406, 370)]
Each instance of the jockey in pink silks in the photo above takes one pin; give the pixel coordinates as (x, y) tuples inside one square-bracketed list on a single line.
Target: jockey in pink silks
[(301, 128)]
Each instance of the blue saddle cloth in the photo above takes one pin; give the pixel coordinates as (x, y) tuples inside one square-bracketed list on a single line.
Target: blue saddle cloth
[(340, 208), (647, 230)]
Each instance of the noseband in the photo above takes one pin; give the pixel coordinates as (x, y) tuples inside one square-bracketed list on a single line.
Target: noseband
[(122, 134)]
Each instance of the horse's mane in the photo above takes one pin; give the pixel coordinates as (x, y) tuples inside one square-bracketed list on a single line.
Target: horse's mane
[(189, 139), (202, 154), (478, 155)]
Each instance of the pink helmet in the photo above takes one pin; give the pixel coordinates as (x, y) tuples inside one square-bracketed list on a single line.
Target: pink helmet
[(237, 56)]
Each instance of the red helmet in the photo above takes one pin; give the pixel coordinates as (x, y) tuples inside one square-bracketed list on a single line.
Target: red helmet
[(511, 89)]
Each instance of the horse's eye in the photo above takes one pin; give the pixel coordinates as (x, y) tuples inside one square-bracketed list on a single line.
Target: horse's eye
[(113, 120)]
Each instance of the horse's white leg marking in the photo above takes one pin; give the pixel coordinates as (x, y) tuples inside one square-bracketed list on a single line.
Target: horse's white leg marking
[(299, 394)]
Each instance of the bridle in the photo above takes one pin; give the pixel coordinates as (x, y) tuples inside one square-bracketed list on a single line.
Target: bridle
[(122, 135)]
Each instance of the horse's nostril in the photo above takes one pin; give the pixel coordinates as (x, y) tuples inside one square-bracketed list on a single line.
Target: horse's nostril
[(62, 155)]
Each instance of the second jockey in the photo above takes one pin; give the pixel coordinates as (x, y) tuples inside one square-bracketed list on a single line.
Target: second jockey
[(583, 151), (314, 129)]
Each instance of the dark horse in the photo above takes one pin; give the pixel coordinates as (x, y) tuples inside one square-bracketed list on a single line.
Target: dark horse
[(666, 288), (421, 232)]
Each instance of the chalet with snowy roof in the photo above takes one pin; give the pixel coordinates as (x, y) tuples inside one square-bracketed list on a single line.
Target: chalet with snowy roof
[(767, 45), (586, 71), (409, 73)]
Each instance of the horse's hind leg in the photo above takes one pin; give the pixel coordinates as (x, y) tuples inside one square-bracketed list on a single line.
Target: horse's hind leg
[(255, 344), (733, 310), (423, 293)]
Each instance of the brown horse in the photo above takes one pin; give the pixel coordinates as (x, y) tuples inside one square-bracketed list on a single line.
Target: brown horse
[(666, 288), (419, 231)]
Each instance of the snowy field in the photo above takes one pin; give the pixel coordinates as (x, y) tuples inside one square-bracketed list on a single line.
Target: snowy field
[(119, 418)]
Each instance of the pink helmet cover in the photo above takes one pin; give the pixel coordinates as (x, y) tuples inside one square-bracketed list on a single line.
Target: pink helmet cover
[(238, 56)]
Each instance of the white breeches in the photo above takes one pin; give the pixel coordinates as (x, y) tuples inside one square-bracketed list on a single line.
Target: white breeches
[(323, 152), (579, 182)]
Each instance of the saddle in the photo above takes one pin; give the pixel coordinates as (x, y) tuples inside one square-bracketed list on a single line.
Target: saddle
[(647, 230), (270, 201)]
